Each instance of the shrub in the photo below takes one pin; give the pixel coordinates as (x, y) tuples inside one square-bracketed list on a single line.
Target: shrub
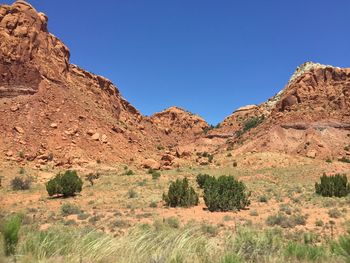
[(334, 213), (285, 221), (344, 160), (180, 194), (129, 172), (21, 183), (132, 193), (10, 231), (70, 209), (83, 216), (201, 179), (91, 177), (67, 184), (153, 204), (155, 175), (94, 219), (319, 223), (336, 185), (225, 193), (250, 124), (263, 199)]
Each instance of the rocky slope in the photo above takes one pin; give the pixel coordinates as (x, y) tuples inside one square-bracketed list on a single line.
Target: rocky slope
[(179, 122), (310, 116), (55, 112)]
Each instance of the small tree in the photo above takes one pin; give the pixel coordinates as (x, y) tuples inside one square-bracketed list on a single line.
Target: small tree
[(334, 185), (201, 179), (225, 194), (10, 231), (180, 194), (67, 184)]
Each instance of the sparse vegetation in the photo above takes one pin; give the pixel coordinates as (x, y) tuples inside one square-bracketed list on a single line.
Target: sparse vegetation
[(21, 154), (21, 183), (169, 240), (22, 171), (10, 231), (70, 209), (334, 185), (210, 230), (155, 175), (132, 193), (319, 223), (250, 124), (285, 221), (334, 213), (225, 193), (263, 199), (153, 204), (67, 184), (91, 177), (344, 160), (180, 193), (129, 172), (329, 160)]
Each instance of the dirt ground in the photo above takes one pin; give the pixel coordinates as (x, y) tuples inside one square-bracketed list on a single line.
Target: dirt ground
[(278, 184)]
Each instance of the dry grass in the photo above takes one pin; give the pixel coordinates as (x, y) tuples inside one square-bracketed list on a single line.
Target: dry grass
[(285, 183)]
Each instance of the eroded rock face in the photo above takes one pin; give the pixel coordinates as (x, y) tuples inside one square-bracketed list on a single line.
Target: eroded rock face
[(28, 51), (175, 120), (71, 113), (323, 88), (312, 110)]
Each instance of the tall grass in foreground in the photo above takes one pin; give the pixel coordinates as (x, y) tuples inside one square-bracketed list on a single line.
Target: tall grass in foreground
[(162, 243), (10, 232)]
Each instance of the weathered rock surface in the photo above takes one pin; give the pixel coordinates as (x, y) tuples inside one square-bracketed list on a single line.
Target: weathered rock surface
[(76, 115), (310, 116)]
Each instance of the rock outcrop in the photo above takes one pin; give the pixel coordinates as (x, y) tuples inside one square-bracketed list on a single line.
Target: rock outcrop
[(50, 107), (310, 116), (180, 122)]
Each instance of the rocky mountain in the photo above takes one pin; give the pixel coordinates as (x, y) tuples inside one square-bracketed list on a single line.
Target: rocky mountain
[(179, 122), (55, 112), (310, 116)]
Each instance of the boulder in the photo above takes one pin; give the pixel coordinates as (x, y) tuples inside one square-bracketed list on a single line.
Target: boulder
[(151, 164), (18, 129), (104, 138), (54, 125)]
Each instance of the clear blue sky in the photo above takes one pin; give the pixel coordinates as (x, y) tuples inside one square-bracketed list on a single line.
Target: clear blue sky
[(209, 57)]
